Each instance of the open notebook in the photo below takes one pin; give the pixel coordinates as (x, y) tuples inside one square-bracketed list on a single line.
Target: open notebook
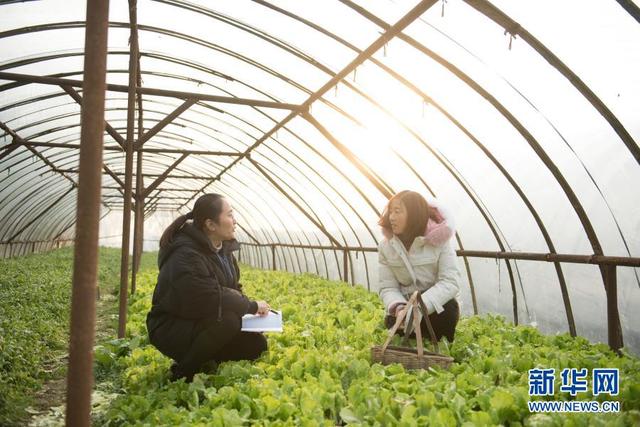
[(272, 322)]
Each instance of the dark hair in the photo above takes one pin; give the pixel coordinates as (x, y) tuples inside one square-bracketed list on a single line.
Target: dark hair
[(208, 206), (418, 212)]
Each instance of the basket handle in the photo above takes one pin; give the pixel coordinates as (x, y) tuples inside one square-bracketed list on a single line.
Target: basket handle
[(399, 320), (418, 329), (425, 315), (414, 325)]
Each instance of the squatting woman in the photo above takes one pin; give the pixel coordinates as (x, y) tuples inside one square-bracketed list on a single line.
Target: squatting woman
[(417, 255), (198, 301)]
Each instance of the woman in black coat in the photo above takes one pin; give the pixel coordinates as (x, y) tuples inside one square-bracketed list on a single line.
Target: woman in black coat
[(198, 301)]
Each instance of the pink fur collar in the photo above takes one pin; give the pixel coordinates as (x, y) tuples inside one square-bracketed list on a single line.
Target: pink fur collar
[(438, 230)]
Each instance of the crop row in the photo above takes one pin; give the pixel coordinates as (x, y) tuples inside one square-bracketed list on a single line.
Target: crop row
[(319, 372)]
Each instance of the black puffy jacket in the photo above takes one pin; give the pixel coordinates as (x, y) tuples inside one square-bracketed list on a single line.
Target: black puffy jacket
[(192, 284)]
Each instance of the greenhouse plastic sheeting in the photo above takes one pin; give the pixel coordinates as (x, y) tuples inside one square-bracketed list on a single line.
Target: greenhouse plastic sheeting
[(515, 130)]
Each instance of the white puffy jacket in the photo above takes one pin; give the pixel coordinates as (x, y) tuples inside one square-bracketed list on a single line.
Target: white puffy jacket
[(433, 260)]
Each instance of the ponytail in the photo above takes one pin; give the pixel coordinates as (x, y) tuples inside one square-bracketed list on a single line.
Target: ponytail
[(208, 206), (170, 231)]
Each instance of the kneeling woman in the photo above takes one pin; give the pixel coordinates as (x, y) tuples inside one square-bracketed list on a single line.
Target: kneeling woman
[(417, 255), (198, 302)]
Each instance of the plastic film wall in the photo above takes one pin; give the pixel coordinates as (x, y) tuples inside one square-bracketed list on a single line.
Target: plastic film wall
[(521, 118)]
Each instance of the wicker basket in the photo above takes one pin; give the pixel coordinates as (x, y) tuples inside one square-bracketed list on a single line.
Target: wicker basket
[(411, 358)]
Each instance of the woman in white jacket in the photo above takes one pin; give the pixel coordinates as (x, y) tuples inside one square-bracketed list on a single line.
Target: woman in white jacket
[(417, 254)]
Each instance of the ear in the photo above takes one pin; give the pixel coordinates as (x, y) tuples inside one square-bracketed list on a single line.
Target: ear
[(209, 224)]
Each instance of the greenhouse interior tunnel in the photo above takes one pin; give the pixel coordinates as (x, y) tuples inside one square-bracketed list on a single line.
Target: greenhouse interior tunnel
[(519, 119)]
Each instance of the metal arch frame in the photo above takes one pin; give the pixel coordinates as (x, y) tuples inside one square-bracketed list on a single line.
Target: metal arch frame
[(16, 220), (238, 196), (295, 167), (160, 56), (254, 127), (297, 156), (315, 221), (31, 206), (73, 136), (275, 235), (389, 34), (373, 60), (316, 152), (513, 285), (365, 170), (60, 212), (37, 168), (631, 8), (313, 184), (515, 29), (440, 60), (48, 164), (146, 136), (263, 178), (22, 193), (232, 125), (319, 191), (472, 5), (304, 162), (323, 179), (536, 217), (17, 192), (568, 191), (78, 98), (41, 166), (22, 142), (466, 187), (574, 201), (412, 87), (328, 135), (34, 151), (469, 81), (72, 113), (233, 176), (262, 194), (51, 165), (268, 175)]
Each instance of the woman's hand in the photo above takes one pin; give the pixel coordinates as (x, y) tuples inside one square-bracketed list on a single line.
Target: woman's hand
[(263, 308), (398, 309)]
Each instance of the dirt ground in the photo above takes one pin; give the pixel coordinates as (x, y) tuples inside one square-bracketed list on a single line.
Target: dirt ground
[(49, 406)]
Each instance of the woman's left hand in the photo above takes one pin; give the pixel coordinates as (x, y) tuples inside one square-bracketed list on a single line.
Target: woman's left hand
[(263, 308)]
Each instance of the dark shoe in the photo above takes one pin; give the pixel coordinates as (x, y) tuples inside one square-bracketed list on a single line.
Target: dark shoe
[(210, 367), (177, 374)]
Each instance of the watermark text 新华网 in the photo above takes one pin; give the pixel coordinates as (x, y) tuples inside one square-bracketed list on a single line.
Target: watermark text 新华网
[(605, 381)]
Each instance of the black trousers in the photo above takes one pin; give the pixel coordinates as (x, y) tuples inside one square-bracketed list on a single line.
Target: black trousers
[(191, 343), (444, 323)]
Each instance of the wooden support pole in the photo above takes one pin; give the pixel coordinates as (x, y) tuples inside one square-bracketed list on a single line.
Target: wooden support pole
[(128, 180), (345, 265), (85, 263), (273, 257), (613, 316)]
